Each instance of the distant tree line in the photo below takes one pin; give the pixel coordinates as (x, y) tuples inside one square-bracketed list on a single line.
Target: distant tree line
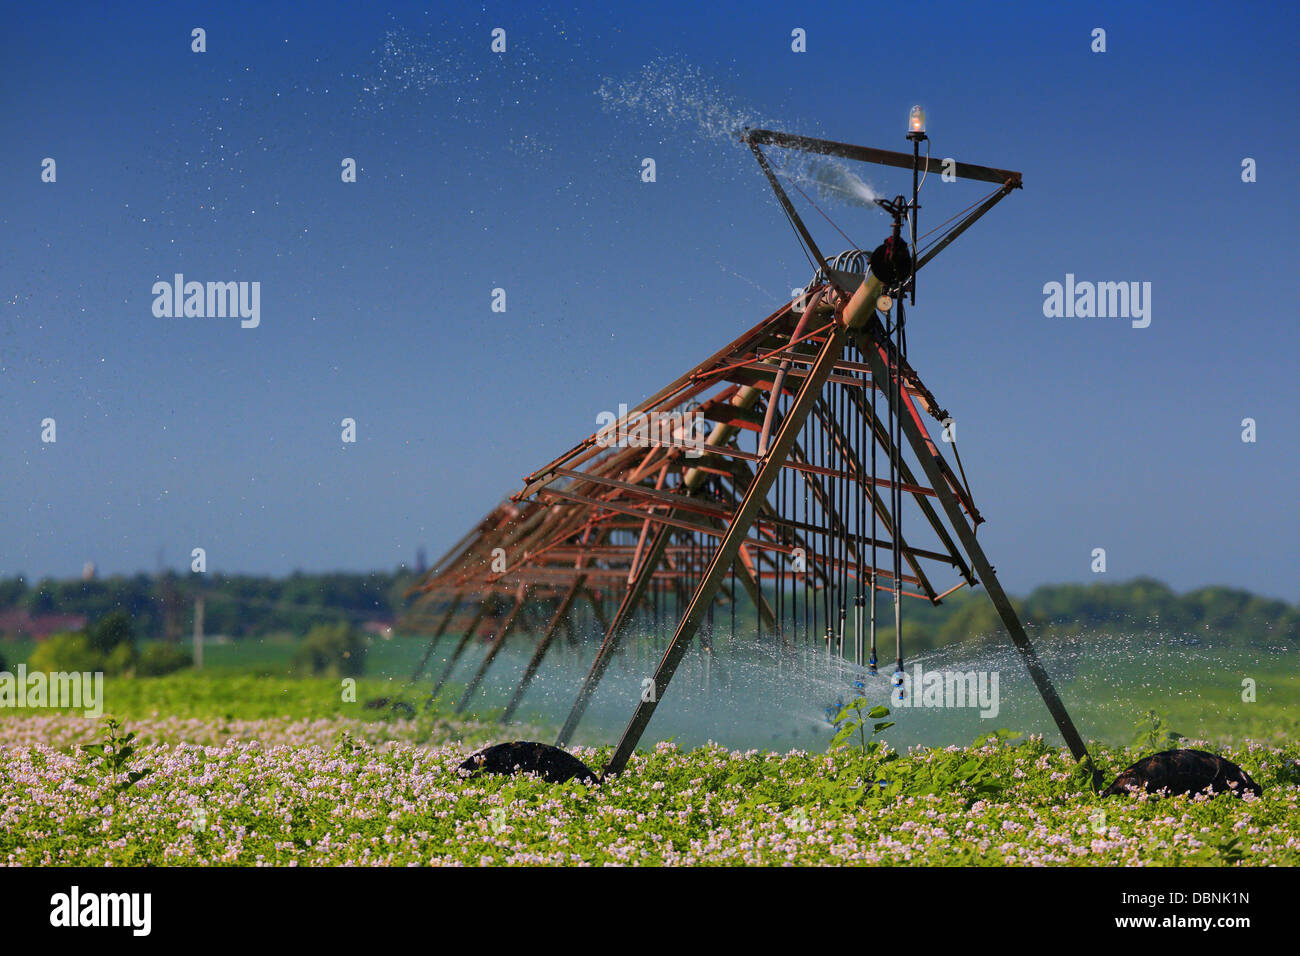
[(251, 606), (1219, 615), (161, 606)]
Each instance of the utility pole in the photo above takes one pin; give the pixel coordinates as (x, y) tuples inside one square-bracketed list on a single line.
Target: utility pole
[(198, 633)]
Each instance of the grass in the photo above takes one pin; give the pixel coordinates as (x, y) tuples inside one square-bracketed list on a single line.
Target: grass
[(244, 696), (1206, 704), (1218, 712)]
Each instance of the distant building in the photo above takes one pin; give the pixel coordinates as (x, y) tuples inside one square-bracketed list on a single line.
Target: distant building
[(379, 628), (88, 571), (20, 624)]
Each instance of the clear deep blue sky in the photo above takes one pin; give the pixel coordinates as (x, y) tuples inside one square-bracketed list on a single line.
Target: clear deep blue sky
[(480, 171)]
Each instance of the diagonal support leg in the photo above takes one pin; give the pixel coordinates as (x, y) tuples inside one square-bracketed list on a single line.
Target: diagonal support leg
[(737, 531), (483, 609), (692, 480), (631, 598), (497, 643), (879, 357), (437, 635), (597, 610), (543, 644)]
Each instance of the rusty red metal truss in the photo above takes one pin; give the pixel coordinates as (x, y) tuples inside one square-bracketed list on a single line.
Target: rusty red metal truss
[(817, 462), (582, 526)]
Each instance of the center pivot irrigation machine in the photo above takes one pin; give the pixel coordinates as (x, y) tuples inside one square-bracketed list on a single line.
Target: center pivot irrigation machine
[(800, 489)]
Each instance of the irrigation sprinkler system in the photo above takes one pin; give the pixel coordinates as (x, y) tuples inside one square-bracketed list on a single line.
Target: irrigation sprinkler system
[(793, 466)]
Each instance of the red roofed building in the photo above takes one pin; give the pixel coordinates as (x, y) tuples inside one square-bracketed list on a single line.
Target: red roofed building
[(19, 623)]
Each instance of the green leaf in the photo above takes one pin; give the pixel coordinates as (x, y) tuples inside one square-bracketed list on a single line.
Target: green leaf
[(875, 713), (882, 726)]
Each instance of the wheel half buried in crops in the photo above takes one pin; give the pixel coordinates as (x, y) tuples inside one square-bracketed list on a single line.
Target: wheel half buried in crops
[(1184, 771), (524, 756)]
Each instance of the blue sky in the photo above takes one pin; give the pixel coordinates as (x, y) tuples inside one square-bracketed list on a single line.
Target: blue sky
[(480, 171)]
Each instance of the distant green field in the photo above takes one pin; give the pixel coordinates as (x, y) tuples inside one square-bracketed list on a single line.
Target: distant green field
[(1218, 713), (238, 697), (1197, 691), (1205, 704), (270, 655)]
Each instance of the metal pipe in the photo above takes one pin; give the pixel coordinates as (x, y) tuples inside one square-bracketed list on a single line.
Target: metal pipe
[(775, 395)]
